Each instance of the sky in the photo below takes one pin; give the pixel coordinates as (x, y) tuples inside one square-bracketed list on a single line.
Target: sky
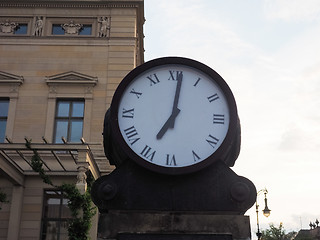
[(268, 52)]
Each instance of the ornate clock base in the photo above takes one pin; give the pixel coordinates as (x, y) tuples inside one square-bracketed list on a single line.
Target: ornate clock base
[(215, 189), (206, 205), (164, 225)]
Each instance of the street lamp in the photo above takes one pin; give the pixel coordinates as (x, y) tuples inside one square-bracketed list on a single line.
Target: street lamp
[(266, 211)]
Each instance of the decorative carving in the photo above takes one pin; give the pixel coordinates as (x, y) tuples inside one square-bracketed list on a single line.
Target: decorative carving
[(89, 89), (71, 78), (53, 89), (7, 26), (81, 179), (38, 27), (71, 27), (14, 88), (104, 30)]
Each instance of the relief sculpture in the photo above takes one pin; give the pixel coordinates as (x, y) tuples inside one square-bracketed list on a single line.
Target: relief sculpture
[(71, 27)]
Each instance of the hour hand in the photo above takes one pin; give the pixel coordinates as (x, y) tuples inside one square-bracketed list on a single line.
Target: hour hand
[(168, 124)]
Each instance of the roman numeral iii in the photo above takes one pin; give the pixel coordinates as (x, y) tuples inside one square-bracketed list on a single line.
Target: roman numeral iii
[(218, 118)]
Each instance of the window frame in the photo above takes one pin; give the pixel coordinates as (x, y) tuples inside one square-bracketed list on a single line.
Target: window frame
[(51, 22), (25, 21), (16, 32), (85, 26), (60, 219), (5, 118), (53, 26), (68, 118), (60, 86)]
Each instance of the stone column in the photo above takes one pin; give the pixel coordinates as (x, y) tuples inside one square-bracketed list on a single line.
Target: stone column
[(15, 212)]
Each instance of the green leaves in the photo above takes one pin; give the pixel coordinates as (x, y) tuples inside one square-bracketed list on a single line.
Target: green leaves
[(79, 204), (3, 198), (79, 226), (276, 233)]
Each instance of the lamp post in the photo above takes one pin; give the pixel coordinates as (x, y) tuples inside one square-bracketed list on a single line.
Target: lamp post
[(266, 211)]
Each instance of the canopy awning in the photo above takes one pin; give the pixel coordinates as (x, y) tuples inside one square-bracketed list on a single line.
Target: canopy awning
[(57, 159)]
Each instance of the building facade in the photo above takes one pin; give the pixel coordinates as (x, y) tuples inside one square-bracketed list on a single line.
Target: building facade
[(60, 64)]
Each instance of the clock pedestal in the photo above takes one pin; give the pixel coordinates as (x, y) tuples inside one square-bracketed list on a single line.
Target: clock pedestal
[(169, 225), (206, 203)]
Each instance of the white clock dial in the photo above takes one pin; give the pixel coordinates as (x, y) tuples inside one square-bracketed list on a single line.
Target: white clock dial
[(173, 115)]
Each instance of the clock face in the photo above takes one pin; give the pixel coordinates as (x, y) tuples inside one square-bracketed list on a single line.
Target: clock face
[(173, 116)]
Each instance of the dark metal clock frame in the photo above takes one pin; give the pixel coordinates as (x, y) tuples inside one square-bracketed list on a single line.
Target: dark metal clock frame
[(230, 143)]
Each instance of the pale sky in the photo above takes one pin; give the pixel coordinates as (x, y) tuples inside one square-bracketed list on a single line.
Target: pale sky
[(268, 51)]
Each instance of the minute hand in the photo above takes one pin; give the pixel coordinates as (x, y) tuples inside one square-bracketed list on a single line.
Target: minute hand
[(175, 110)]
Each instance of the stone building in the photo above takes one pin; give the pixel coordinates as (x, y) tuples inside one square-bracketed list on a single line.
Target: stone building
[(309, 234), (60, 63)]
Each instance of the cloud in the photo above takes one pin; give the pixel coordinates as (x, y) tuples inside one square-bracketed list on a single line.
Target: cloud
[(292, 10), (271, 62)]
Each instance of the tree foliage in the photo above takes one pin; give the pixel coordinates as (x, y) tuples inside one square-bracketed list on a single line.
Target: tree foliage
[(277, 233)]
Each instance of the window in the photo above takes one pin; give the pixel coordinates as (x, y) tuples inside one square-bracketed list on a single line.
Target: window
[(4, 106), (85, 30), (57, 29), (69, 120), (22, 28), (55, 216)]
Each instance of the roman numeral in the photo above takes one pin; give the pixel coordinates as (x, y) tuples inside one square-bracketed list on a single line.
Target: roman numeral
[(171, 161), (174, 76), (148, 153), (138, 94), (154, 80), (195, 156), (218, 118), (131, 134), (127, 113), (213, 97), (212, 140), (196, 83)]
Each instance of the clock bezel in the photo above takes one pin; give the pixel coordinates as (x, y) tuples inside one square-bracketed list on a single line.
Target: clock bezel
[(131, 76)]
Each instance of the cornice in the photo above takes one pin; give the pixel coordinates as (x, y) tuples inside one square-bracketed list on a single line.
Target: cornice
[(71, 4)]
